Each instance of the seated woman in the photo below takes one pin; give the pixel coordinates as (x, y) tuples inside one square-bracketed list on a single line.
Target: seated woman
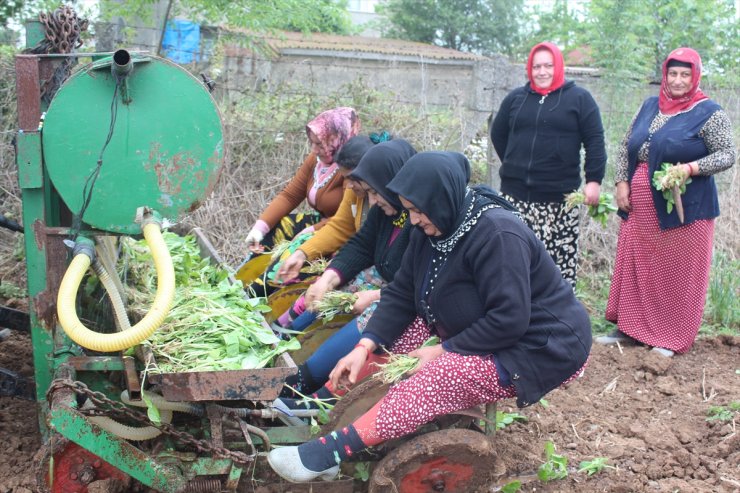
[(346, 222), (380, 243), (509, 323), (317, 181)]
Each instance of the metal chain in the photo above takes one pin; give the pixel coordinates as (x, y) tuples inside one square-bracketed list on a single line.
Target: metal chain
[(62, 30), (120, 409)]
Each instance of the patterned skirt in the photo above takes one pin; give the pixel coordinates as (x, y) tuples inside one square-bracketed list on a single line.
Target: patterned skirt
[(660, 277), (558, 228)]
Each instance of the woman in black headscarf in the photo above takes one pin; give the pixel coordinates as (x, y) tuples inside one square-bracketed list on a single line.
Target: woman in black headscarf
[(510, 325)]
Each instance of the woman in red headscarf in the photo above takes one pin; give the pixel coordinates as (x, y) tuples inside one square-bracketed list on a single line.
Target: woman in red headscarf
[(538, 134), (661, 273)]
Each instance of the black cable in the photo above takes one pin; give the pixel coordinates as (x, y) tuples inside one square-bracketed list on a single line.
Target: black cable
[(90, 181)]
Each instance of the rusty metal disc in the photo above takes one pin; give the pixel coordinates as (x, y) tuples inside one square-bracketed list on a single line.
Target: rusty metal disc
[(73, 468), (451, 461), (355, 403)]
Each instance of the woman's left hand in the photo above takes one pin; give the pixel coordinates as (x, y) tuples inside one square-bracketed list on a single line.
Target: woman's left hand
[(426, 354), (365, 299), (591, 193)]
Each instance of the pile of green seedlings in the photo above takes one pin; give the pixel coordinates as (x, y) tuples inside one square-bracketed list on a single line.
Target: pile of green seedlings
[(211, 325)]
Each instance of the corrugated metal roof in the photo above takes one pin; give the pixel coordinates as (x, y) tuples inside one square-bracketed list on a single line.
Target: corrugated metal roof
[(285, 42)]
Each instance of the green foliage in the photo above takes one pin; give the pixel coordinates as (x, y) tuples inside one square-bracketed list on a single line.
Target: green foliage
[(665, 179), (724, 413), (256, 16), (362, 471), (504, 419), (631, 38), (599, 212), (723, 302), (594, 465), (555, 466), (479, 26), (511, 487), (9, 290)]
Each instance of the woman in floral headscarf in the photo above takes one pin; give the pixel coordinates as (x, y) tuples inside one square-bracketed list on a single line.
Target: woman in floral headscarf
[(661, 274), (317, 181)]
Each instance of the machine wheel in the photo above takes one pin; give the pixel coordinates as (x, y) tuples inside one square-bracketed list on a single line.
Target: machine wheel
[(355, 403), (74, 469), (452, 461)]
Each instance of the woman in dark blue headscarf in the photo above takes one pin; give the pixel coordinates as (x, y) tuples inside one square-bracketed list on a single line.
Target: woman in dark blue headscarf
[(509, 324)]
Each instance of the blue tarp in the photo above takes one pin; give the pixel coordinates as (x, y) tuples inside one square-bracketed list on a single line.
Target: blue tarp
[(181, 41)]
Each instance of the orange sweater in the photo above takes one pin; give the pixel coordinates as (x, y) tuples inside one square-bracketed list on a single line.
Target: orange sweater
[(328, 197), (345, 223)]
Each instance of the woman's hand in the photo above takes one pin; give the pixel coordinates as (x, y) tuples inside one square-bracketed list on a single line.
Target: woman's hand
[(623, 196), (591, 193), (345, 373), (365, 299), (328, 281), (426, 354), (253, 240), (291, 266)]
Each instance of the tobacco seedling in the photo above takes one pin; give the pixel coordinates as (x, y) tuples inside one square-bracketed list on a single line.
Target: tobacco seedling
[(511, 487), (665, 179), (504, 419), (555, 466), (400, 364), (599, 212), (362, 471), (594, 465), (723, 413)]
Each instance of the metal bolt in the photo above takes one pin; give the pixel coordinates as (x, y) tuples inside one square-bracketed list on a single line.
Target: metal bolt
[(439, 485), (97, 464), (73, 476)]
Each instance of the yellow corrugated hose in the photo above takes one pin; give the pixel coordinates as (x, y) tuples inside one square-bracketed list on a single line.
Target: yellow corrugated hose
[(118, 341)]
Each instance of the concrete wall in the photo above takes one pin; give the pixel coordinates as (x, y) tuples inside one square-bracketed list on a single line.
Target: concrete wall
[(473, 87)]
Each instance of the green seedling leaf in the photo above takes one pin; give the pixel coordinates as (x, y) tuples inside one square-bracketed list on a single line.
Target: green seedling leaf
[(151, 410), (362, 471), (555, 466), (511, 487), (595, 465), (504, 419)]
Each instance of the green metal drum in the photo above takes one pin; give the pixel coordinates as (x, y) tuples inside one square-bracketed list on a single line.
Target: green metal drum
[(165, 150)]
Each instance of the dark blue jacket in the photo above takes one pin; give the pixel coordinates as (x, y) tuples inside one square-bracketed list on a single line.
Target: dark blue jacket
[(539, 140), (498, 293), (677, 141)]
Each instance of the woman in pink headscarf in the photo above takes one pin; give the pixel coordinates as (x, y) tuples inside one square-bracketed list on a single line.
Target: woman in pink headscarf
[(317, 181), (661, 273), (538, 133)]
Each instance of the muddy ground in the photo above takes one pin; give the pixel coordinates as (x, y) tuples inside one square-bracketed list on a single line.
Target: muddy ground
[(647, 414)]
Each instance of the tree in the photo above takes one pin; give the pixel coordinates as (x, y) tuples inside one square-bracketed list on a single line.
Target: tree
[(633, 37), (480, 26), (254, 15)]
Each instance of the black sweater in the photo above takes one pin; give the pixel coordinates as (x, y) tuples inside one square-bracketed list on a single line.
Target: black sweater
[(538, 139), (498, 293), (369, 246)]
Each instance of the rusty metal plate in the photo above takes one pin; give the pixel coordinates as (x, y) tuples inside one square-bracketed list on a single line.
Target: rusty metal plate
[(263, 384)]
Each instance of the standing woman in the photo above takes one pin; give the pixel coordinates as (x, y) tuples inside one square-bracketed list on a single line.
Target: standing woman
[(538, 133), (476, 274), (661, 273), (317, 181)]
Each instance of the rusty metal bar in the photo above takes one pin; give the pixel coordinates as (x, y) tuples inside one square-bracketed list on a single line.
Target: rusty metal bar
[(133, 384), (28, 89)]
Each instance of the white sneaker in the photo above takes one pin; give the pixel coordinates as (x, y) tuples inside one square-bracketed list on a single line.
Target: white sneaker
[(663, 351), (286, 462)]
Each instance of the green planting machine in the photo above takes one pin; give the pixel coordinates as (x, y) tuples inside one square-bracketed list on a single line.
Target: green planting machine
[(125, 146)]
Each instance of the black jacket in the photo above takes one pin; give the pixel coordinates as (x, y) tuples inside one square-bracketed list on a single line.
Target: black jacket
[(499, 293), (369, 246), (539, 138)]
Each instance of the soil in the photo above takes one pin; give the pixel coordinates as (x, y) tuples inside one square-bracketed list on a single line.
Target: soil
[(645, 413)]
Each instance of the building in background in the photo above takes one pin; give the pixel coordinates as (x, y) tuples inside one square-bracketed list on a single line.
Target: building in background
[(362, 14)]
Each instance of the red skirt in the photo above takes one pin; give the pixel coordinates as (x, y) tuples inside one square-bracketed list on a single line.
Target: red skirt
[(660, 278)]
